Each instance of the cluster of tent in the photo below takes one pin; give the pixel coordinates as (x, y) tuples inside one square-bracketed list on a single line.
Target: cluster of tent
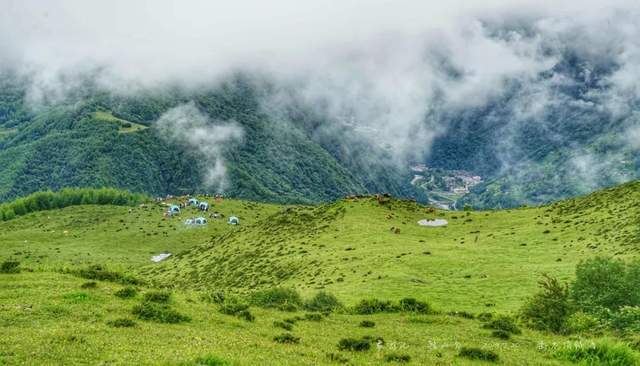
[(202, 206), (233, 220), (196, 221)]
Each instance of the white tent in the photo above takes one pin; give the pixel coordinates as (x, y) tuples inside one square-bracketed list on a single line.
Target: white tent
[(436, 222)]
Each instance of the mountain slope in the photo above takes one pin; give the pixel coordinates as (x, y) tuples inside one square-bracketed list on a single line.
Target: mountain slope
[(475, 265), (71, 144), (352, 249), (571, 144)]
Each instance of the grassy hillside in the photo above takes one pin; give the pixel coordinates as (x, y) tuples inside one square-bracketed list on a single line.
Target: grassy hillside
[(124, 126), (118, 236), (49, 319), (351, 248), (482, 262)]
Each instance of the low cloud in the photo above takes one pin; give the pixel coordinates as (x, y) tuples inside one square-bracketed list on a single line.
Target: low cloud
[(207, 138), (391, 76)]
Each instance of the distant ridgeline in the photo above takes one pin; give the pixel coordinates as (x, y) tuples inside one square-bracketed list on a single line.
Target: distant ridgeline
[(41, 201)]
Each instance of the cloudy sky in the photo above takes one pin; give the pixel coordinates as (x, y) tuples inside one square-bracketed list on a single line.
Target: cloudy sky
[(159, 40)]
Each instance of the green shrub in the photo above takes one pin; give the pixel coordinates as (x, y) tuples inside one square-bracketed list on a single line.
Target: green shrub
[(352, 344), (101, 273), (246, 315), (462, 314), (367, 324), (98, 272), (373, 306), (233, 305), (209, 360), (278, 297), (126, 293), (337, 358), (283, 325), (605, 283), (313, 317), (161, 297), (626, 319), (474, 353), (292, 320), (397, 357), (89, 285), (549, 309), (286, 338), (500, 334), (580, 322), (214, 297), (161, 313), (600, 354), (121, 323), (415, 306), (10, 267), (503, 323), (323, 302)]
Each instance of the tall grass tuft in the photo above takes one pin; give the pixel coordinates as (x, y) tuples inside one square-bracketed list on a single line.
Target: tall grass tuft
[(604, 353)]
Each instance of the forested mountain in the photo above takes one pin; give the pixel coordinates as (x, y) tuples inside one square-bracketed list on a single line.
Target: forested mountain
[(572, 143), (97, 139)]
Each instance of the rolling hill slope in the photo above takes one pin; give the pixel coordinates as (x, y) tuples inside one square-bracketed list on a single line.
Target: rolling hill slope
[(359, 246), (482, 262)]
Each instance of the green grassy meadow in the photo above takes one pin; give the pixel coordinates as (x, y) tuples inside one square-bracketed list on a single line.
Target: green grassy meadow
[(124, 126), (356, 248)]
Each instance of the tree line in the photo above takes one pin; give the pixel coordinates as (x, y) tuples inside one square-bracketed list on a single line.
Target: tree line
[(49, 200)]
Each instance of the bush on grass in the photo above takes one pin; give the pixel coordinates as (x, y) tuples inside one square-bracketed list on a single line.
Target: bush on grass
[(161, 313), (286, 338), (282, 298), (353, 344), (10, 267), (474, 353), (121, 323), (397, 357), (323, 302), (503, 323), (374, 306), (367, 324), (161, 297), (126, 292)]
